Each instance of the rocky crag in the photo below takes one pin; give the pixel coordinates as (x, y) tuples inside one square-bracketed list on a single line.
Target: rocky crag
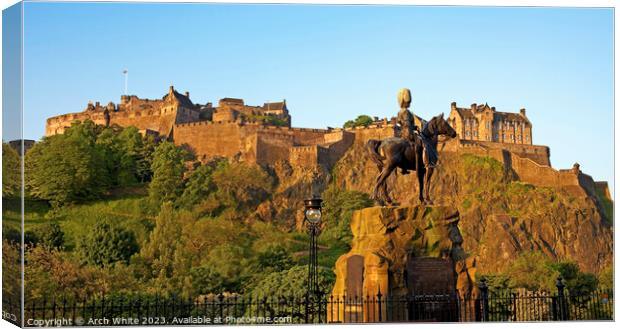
[(500, 217)]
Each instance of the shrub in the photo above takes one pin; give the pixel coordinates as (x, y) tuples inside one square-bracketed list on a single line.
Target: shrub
[(107, 244), (11, 171)]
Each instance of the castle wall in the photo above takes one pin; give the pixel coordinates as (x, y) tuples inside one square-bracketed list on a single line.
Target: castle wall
[(155, 120), (217, 139), (304, 156), (273, 146), (363, 134), (537, 153), (527, 170), (338, 143)]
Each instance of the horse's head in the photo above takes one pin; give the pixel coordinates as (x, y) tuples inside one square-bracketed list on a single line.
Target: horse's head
[(440, 126)]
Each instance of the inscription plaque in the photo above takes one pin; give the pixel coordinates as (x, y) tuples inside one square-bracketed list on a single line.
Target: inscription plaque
[(430, 275), (355, 276)]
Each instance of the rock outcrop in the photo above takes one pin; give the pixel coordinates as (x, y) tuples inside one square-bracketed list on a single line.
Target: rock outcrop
[(500, 216)]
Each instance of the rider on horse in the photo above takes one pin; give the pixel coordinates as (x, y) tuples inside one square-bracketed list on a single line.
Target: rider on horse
[(409, 130)]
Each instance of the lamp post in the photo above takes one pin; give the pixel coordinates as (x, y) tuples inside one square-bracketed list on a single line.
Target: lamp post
[(312, 217)]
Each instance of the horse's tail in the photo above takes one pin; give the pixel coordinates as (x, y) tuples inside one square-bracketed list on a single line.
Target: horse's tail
[(372, 146)]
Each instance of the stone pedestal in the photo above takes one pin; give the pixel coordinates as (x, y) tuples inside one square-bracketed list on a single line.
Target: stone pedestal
[(398, 252)]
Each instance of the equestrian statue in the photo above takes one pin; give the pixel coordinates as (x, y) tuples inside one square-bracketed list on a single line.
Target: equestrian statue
[(415, 149)]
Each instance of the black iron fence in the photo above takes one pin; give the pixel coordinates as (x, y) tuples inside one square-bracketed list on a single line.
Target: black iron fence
[(236, 309)]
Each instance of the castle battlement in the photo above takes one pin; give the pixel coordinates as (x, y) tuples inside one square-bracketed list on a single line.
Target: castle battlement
[(262, 134)]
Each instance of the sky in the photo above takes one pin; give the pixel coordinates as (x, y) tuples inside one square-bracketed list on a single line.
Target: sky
[(333, 63)]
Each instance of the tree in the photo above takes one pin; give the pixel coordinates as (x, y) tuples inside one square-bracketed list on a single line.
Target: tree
[(531, 270), (107, 244), (241, 186), (168, 168), (293, 282), (49, 235), (361, 120), (577, 282), (338, 208), (606, 277), (11, 171), (199, 185), (206, 279), (131, 145), (67, 168), (159, 251), (274, 259)]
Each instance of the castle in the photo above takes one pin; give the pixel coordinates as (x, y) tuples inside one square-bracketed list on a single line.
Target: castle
[(263, 134), (484, 123)]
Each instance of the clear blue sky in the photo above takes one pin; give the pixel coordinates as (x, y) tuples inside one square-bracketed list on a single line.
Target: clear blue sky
[(332, 63)]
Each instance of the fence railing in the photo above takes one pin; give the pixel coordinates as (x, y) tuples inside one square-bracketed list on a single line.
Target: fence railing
[(236, 309)]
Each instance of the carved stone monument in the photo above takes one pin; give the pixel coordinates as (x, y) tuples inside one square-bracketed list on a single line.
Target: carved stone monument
[(401, 252)]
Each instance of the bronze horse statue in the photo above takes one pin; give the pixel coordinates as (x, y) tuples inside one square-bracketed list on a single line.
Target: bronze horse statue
[(395, 152)]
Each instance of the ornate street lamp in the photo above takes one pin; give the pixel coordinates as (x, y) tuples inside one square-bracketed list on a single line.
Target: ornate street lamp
[(312, 217)]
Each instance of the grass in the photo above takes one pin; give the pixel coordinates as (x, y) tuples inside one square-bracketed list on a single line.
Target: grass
[(76, 220)]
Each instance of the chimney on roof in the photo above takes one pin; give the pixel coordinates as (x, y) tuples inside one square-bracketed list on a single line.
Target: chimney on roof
[(187, 94), (453, 106), (171, 90), (473, 106), (97, 104), (522, 111)]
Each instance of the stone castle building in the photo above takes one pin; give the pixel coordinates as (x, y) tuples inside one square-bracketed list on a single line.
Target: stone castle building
[(484, 123), (263, 134)]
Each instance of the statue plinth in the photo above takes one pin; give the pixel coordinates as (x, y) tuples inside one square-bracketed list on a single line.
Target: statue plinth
[(402, 251)]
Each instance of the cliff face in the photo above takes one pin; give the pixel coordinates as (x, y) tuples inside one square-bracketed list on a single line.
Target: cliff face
[(499, 216)]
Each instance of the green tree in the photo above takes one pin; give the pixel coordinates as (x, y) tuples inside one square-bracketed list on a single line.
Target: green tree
[(274, 259), (159, 251), (49, 235), (532, 270), (240, 186), (11, 171), (144, 159), (606, 277), (107, 244), (361, 120), (206, 279), (231, 262), (131, 144), (199, 185), (577, 282), (292, 282), (67, 168), (168, 168), (338, 209)]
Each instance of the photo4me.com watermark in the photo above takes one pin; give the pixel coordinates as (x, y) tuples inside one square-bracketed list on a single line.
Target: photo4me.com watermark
[(140, 321)]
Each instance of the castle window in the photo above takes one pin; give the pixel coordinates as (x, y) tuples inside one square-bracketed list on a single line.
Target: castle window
[(467, 133), (488, 125), (475, 134)]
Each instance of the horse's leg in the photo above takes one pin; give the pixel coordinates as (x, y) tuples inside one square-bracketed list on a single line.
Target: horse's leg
[(385, 192), (382, 180), (421, 171), (427, 184), (375, 191)]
